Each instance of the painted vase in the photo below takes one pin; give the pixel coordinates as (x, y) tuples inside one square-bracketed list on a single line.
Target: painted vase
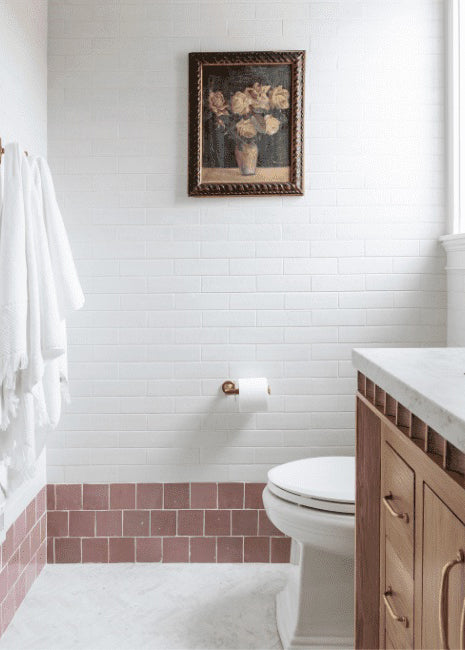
[(246, 156)]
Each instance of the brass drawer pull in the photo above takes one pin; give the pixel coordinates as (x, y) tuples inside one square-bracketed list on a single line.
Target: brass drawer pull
[(444, 600), (399, 515), (462, 627), (392, 613)]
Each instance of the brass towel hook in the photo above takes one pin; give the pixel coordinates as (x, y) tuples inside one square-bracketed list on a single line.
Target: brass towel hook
[(2, 151)]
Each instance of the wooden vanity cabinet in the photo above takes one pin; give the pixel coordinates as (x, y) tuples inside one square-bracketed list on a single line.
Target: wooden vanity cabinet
[(410, 530)]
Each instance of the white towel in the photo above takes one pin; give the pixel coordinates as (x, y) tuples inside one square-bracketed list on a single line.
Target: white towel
[(13, 283), (69, 291), (52, 326)]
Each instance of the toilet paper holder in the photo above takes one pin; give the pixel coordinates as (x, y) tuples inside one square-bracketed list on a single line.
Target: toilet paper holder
[(230, 388)]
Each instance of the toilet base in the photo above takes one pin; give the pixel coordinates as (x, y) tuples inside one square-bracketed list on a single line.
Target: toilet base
[(292, 642), (315, 609)]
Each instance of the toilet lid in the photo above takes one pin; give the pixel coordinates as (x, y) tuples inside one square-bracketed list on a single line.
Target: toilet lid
[(325, 483)]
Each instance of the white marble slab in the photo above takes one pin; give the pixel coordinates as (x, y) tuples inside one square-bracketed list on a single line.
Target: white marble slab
[(149, 607), (430, 382)]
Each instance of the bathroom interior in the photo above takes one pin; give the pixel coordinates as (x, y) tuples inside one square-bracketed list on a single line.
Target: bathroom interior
[(263, 444)]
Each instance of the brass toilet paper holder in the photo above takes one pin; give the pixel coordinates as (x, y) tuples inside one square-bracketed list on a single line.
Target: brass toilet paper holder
[(230, 388)]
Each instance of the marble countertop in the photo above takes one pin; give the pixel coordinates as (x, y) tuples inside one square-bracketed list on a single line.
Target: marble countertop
[(430, 382)]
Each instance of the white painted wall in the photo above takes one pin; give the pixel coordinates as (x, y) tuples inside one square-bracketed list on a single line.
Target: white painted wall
[(183, 293), (23, 118), (455, 267)]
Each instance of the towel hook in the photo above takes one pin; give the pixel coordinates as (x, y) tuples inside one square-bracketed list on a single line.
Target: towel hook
[(2, 151)]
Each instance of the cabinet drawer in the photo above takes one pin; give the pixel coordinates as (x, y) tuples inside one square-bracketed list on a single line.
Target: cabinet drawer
[(398, 587), (398, 498)]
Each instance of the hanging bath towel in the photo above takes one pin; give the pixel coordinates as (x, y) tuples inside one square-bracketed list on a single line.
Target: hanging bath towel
[(69, 291), (13, 283), (52, 325), (31, 376)]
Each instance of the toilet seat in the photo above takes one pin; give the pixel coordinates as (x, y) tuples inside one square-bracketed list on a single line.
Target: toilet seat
[(323, 483)]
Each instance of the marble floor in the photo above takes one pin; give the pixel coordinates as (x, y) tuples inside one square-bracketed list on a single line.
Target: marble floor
[(156, 606)]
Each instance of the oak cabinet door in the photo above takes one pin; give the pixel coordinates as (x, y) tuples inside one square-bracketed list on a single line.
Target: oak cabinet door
[(443, 574), (397, 550)]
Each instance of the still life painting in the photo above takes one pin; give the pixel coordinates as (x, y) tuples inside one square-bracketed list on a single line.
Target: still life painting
[(246, 123)]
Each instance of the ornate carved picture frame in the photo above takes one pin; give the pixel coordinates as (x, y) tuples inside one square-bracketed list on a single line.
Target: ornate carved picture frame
[(246, 123)]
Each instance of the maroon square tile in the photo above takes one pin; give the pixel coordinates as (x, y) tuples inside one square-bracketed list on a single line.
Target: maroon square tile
[(19, 530), (51, 497), (8, 545), (95, 549), (203, 549), (256, 549), (175, 549), (265, 527), (229, 549), (190, 522), (24, 553), (3, 584), (20, 590), (41, 502), (35, 538), (13, 569), (217, 522), (41, 557), (81, 523), (176, 495), (50, 551), (230, 495), (136, 523), (57, 524), (30, 515), (148, 549), (122, 496), (150, 495), (244, 522), (280, 549), (95, 497), (109, 523), (43, 528), (67, 550), (253, 495), (163, 523), (122, 549), (204, 495), (68, 497)]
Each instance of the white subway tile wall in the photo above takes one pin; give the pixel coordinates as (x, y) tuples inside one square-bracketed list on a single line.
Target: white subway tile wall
[(184, 293)]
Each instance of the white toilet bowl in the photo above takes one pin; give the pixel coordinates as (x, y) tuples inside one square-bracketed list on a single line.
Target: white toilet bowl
[(313, 501)]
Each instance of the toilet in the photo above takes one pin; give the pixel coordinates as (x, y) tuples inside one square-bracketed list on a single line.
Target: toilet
[(313, 502)]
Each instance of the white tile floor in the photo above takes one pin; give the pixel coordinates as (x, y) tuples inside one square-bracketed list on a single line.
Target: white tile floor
[(162, 606)]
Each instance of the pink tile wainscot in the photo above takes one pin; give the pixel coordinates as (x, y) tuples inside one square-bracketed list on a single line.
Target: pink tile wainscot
[(156, 522), (23, 555)]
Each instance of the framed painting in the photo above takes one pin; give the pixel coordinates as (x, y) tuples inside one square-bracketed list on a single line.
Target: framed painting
[(246, 120)]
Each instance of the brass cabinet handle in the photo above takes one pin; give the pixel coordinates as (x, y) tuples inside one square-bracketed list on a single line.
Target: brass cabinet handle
[(462, 627), (444, 600), (399, 515), (390, 609)]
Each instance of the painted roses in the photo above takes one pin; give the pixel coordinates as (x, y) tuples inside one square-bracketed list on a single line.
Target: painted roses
[(251, 116), (217, 103), (255, 110), (279, 97)]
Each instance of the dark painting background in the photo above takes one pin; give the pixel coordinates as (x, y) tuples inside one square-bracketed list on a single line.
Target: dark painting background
[(218, 147)]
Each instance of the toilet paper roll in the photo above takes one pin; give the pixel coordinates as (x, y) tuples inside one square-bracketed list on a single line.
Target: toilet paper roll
[(253, 394)]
